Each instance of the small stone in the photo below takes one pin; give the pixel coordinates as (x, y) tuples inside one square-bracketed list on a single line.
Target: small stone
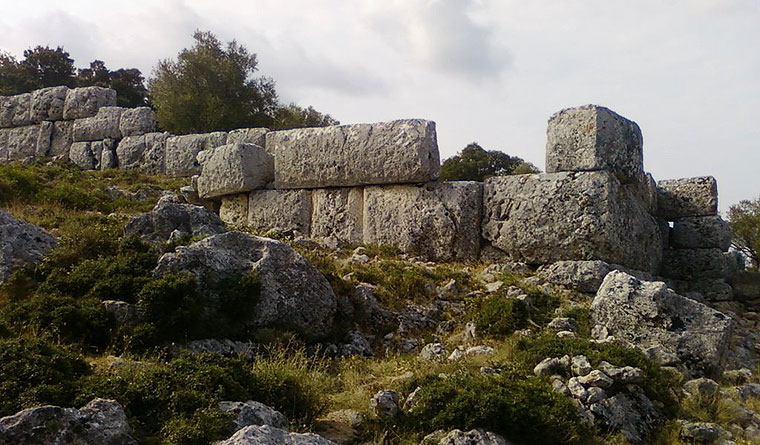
[(559, 386), (494, 287), (548, 366), (359, 259), (596, 378), (434, 351), (625, 374), (580, 365), (455, 355), (701, 432), (703, 388), (254, 413), (412, 399), (384, 404), (479, 350), (595, 394), (566, 334), (577, 389), (487, 370), (563, 324)]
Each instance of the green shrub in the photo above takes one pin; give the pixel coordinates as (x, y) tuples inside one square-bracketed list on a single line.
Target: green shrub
[(204, 426), (499, 316), (33, 372), (172, 305), (520, 410)]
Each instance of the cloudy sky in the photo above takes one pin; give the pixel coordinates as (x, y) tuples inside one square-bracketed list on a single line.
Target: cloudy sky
[(491, 71)]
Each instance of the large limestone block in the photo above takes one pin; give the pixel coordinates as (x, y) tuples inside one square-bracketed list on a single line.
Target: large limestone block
[(3, 144), (256, 136), (338, 212), (402, 151), (746, 285), (15, 110), (293, 294), (61, 138), (682, 198), (545, 218), (21, 243), (234, 209), (89, 155), (700, 232), (44, 138), (85, 102), (22, 142), (47, 104), (645, 191), (145, 152), (438, 220), (235, 168), (181, 152), (105, 124), (280, 209), (591, 138), (137, 121), (649, 314), (689, 264)]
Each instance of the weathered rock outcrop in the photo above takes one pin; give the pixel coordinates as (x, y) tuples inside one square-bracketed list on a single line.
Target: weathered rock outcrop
[(267, 435), (171, 214), (648, 314), (293, 293), (99, 422), (545, 218), (21, 243), (705, 232), (403, 151), (435, 220), (459, 437), (591, 138), (254, 413), (234, 168)]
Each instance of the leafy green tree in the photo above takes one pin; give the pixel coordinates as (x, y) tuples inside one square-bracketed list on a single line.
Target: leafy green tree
[(41, 67), (128, 83), (211, 87), (744, 219), (474, 163), (293, 116)]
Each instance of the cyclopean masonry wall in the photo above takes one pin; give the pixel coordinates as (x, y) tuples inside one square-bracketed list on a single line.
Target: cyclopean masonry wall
[(378, 183)]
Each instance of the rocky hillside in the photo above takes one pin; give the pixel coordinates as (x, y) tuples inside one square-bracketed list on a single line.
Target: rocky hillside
[(128, 315)]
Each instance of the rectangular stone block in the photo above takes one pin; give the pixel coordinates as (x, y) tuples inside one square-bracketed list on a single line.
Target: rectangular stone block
[(590, 138), (47, 104), (234, 209), (61, 138), (256, 136), (645, 191), (338, 212), (701, 232), (403, 151), (280, 209), (22, 142), (145, 152), (86, 101), (181, 152), (15, 111), (234, 168), (682, 198), (690, 264), (137, 121), (105, 124), (44, 137), (713, 289), (746, 285), (4, 144), (90, 155), (437, 220), (545, 218)]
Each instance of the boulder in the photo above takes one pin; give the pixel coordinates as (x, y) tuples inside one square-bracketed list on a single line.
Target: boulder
[(137, 121), (280, 209), (234, 209), (268, 435), (545, 218), (649, 314), (459, 437), (701, 232), (21, 243), (293, 295), (47, 104), (255, 136), (682, 198), (144, 152), (339, 213), (86, 101), (582, 276), (402, 151), (254, 413), (590, 138), (384, 404), (713, 289), (171, 214), (439, 221), (101, 421), (630, 413), (181, 151), (15, 110), (105, 124), (234, 168), (22, 141), (61, 138), (690, 264)]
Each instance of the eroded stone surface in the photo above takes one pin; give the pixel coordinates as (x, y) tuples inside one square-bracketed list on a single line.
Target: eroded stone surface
[(61, 138), (438, 220), (688, 264), (234, 168), (701, 232), (22, 141), (545, 218), (267, 435), (21, 243), (403, 151), (105, 124), (256, 136), (682, 198), (591, 138), (137, 121), (15, 110), (234, 209), (181, 151), (338, 212), (145, 152), (86, 101), (280, 209), (47, 104), (170, 214)]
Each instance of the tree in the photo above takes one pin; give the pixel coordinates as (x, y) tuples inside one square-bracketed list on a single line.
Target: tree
[(293, 116), (129, 84), (41, 67), (211, 88), (474, 163), (744, 219)]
